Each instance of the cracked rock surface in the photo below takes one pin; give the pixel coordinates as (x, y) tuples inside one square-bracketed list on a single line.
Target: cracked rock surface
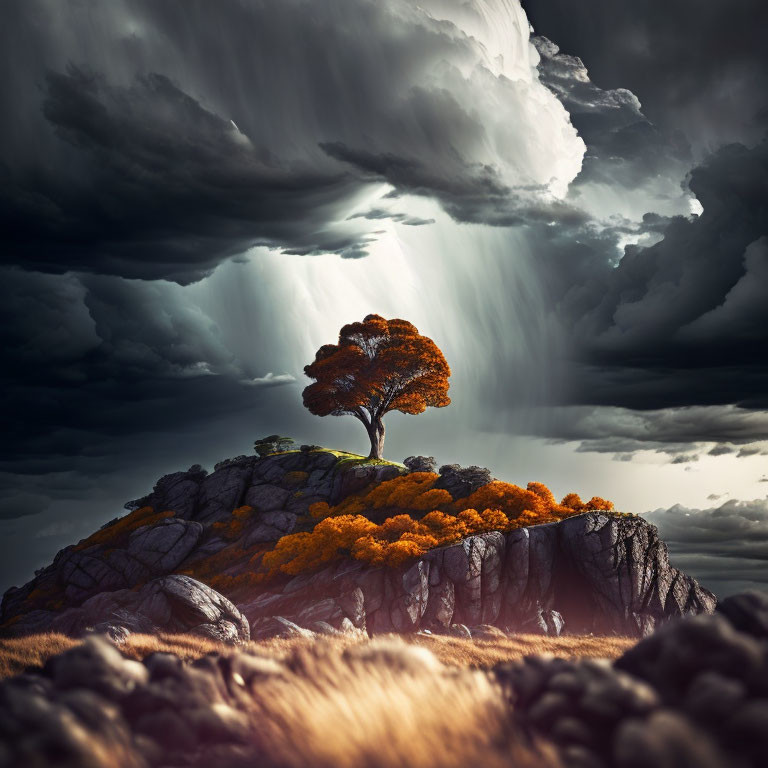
[(591, 573), (173, 603)]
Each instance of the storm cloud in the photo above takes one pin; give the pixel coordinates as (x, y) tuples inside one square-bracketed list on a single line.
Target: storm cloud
[(674, 431), (698, 68), (725, 547), (682, 322), (190, 133), (623, 146)]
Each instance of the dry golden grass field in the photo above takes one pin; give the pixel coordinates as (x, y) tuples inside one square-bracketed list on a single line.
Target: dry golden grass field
[(17, 654), (393, 701)]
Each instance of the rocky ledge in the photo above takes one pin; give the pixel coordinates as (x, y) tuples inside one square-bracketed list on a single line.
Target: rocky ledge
[(587, 574), (595, 572)]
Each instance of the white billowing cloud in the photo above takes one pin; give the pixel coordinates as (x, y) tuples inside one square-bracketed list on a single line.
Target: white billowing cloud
[(526, 126)]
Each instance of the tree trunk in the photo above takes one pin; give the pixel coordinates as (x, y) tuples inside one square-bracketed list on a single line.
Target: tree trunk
[(376, 434)]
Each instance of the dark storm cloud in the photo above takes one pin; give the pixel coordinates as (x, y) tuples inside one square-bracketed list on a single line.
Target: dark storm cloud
[(684, 321), (163, 188), (724, 547), (14, 505), (750, 450), (685, 459), (156, 139), (667, 342), (378, 214), (699, 67), (69, 329), (672, 431), (623, 146), (91, 363)]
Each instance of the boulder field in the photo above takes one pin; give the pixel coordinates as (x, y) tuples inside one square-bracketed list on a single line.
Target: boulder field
[(595, 572)]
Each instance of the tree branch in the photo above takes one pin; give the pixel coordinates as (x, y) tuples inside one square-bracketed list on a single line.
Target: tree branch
[(359, 413)]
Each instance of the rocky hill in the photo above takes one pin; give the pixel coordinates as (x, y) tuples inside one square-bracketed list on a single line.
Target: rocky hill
[(183, 560)]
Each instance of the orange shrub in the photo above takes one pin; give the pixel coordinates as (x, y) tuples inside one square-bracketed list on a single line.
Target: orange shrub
[(345, 530), (511, 499), (320, 509), (543, 493), (431, 499), (573, 501), (599, 504), (411, 491), (416, 492), (396, 540), (299, 552)]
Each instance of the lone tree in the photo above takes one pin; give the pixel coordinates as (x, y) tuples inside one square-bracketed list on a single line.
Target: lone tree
[(378, 366)]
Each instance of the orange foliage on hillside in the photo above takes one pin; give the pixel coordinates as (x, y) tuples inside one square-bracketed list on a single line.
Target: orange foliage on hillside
[(234, 528), (424, 517), (345, 530), (572, 501), (415, 492), (117, 533)]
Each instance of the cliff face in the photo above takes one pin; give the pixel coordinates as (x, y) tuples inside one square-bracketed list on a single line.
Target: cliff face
[(591, 573)]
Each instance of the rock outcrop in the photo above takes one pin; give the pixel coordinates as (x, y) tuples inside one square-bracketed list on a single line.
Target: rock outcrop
[(280, 488), (176, 604), (290, 482), (150, 551), (421, 463), (462, 481), (590, 573)]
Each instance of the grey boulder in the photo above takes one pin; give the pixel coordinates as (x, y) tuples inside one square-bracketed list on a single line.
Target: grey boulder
[(171, 604), (161, 547)]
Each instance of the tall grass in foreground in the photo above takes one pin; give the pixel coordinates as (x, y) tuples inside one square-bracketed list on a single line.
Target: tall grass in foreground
[(387, 704), (20, 653), (331, 703)]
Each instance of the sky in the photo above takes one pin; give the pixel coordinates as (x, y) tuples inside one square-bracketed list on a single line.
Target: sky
[(569, 198)]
